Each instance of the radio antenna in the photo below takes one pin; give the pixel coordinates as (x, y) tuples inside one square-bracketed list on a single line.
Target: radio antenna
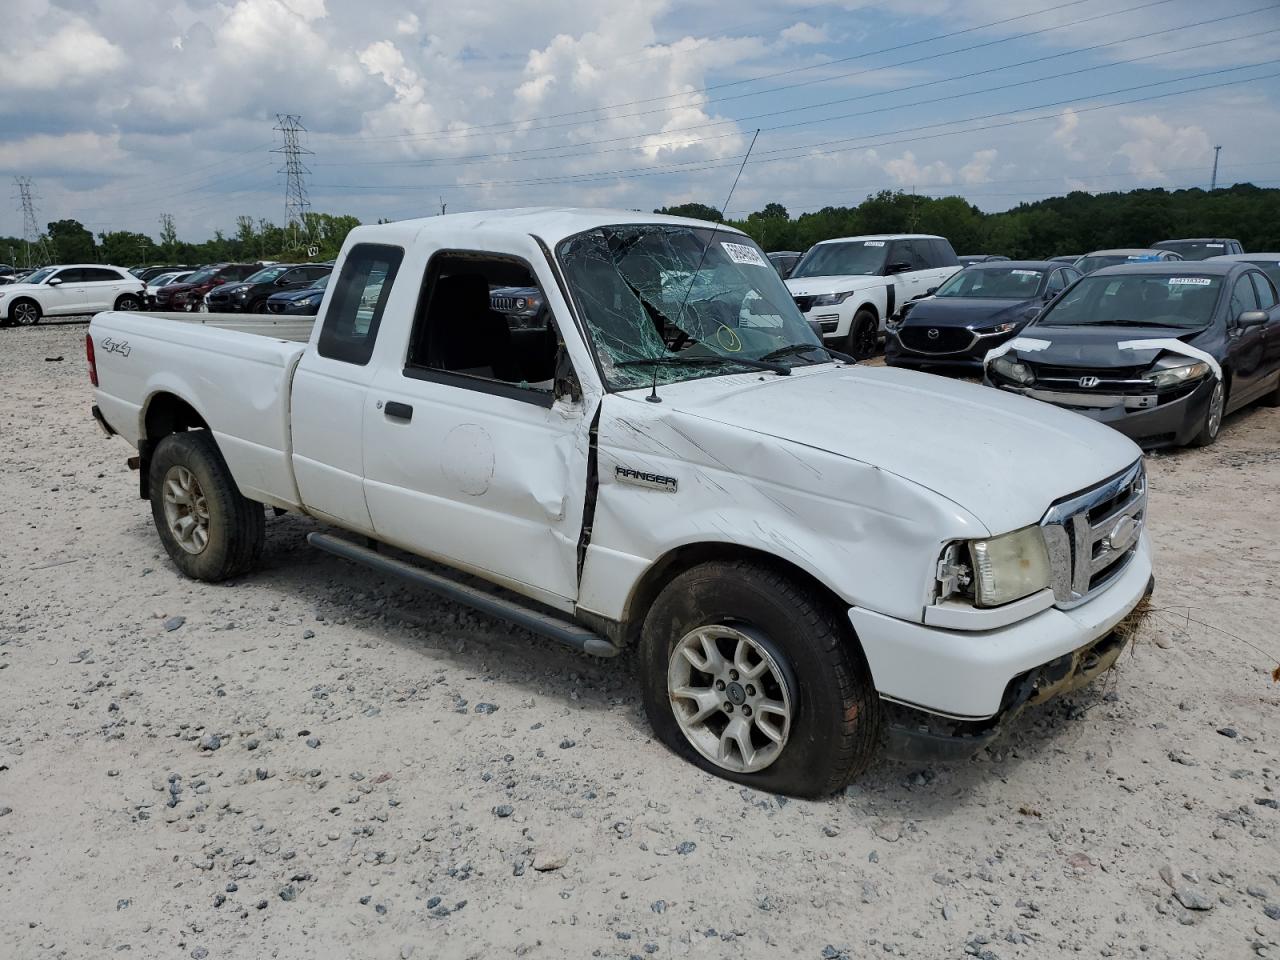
[(653, 390)]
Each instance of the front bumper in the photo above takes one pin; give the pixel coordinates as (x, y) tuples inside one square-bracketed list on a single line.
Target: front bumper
[(967, 675), (1173, 423), (898, 354)]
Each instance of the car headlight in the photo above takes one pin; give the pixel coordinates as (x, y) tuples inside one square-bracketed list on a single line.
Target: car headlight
[(1009, 567), (1174, 371), (304, 302), (1014, 370), (998, 329), (832, 299)]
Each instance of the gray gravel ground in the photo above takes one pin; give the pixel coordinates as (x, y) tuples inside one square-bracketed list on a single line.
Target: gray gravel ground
[(314, 762)]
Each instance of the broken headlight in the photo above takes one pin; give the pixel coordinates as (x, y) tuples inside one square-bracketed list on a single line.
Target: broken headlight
[(1175, 371), (1009, 567), (1011, 369)]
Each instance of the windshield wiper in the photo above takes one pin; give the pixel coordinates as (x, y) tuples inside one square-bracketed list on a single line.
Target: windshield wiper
[(705, 360), (795, 348)]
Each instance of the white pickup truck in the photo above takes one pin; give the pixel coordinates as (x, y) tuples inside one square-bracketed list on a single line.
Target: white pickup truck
[(810, 556)]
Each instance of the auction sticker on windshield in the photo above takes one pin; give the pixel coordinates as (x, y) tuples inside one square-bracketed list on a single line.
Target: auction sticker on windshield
[(1190, 281), (1025, 273), (741, 253), (874, 243)]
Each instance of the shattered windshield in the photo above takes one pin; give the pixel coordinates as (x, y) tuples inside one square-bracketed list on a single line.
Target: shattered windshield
[(684, 302)]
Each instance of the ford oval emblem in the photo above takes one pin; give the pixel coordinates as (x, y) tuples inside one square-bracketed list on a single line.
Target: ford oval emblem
[(1123, 534), (933, 333)]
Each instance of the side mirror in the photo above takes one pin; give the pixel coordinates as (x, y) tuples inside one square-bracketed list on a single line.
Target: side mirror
[(53, 281), (1252, 318), (1031, 313), (931, 291), (898, 266)]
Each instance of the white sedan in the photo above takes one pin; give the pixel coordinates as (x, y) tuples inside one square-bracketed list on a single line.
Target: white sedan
[(68, 290)]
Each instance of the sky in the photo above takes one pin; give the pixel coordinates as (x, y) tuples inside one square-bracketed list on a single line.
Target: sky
[(123, 110)]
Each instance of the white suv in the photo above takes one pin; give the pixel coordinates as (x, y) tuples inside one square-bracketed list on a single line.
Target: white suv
[(62, 291), (853, 285)]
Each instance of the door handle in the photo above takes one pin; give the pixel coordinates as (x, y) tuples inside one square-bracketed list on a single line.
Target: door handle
[(398, 411)]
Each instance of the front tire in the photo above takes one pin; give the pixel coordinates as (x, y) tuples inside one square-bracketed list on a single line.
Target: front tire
[(209, 529), (24, 313), (128, 301), (752, 675), (1212, 422), (864, 335)]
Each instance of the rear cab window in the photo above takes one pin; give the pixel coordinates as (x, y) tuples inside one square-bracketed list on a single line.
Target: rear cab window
[(358, 300)]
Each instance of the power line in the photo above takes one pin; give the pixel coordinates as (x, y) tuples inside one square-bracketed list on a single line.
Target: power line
[(520, 156), (478, 129), (804, 151), (296, 205)]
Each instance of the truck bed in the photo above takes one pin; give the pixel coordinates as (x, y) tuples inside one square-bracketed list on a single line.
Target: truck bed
[(295, 329), (234, 370)]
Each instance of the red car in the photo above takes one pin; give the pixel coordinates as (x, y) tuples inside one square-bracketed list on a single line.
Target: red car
[(186, 295)]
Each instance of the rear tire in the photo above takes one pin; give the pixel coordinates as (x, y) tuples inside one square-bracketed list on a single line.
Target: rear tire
[(1212, 423), (864, 335), (24, 313), (209, 529), (813, 691)]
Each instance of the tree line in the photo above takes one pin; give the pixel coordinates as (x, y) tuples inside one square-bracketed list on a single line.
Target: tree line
[(1074, 224), (70, 241)]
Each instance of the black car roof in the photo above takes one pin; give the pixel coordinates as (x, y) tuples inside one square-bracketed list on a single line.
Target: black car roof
[(1015, 265), (1200, 240), (1173, 268)]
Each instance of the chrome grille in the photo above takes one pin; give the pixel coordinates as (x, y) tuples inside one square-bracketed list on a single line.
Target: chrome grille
[(1092, 535)]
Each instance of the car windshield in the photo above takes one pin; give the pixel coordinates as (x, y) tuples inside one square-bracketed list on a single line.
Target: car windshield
[(321, 283), (267, 274), (1139, 300), (682, 302), (1003, 283), (1195, 249), (1270, 267), (41, 275), (200, 276), (1096, 261), (847, 258)]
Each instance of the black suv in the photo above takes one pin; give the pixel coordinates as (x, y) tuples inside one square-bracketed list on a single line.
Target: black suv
[(250, 295), (1200, 248)]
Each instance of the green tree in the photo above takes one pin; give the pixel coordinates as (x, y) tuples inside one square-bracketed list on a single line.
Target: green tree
[(72, 242), (698, 211), (124, 248)]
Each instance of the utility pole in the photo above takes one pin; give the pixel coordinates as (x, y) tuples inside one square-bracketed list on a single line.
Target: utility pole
[(443, 205), (1213, 183), (31, 233), (296, 204)]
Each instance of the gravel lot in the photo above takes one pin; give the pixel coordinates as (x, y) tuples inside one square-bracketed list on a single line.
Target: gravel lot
[(313, 762)]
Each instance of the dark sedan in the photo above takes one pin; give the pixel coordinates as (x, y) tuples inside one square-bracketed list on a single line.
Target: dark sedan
[(969, 259), (250, 295), (1160, 351), (973, 312), (299, 303)]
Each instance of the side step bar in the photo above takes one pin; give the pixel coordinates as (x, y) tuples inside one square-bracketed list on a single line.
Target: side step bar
[(553, 628)]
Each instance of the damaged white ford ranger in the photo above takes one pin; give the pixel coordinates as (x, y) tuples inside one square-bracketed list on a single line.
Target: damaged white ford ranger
[(811, 557)]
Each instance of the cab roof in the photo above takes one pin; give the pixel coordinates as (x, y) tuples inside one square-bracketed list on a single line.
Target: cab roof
[(551, 224)]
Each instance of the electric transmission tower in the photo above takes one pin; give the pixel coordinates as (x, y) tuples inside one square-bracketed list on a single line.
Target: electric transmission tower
[(296, 204), (34, 244), (1213, 182)]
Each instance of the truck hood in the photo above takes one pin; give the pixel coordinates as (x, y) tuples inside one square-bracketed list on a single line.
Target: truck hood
[(818, 286), (1003, 458)]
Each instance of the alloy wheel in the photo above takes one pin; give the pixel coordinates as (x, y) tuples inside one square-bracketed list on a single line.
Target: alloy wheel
[(185, 509), (731, 696)]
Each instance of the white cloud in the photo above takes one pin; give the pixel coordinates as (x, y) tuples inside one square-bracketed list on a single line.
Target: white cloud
[(74, 54), (978, 169), (1158, 146), (805, 33), (908, 172), (408, 25)]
